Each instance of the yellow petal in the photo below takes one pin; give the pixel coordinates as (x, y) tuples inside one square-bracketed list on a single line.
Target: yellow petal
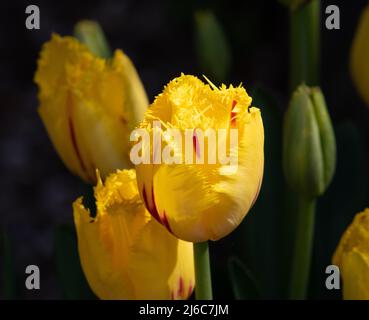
[(135, 99), (356, 235), (198, 202), (352, 257), (89, 105), (124, 252), (355, 274), (359, 56)]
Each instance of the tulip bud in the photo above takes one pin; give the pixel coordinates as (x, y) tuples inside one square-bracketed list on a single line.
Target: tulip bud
[(352, 257), (309, 149), (89, 105), (211, 45), (359, 56)]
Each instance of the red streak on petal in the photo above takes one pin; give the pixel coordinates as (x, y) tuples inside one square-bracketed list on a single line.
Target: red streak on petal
[(123, 120), (233, 114), (73, 137), (195, 141), (171, 295), (190, 289), (234, 102), (165, 222), (152, 209), (180, 287)]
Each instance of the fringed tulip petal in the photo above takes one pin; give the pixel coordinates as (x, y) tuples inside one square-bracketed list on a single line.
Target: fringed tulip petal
[(124, 252)]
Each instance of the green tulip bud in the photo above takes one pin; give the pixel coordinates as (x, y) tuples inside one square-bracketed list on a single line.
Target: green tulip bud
[(309, 147), (212, 47)]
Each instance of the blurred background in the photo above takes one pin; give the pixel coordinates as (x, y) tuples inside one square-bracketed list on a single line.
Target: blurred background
[(36, 190)]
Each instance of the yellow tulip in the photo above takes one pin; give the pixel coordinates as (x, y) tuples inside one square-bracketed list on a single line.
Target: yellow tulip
[(352, 257), (124, 252), (198, 202), (89, 105), (359, 56)]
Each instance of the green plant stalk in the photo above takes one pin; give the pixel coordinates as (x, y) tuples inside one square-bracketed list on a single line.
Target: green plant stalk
[(305, 44), (203, 288), (303, 244), (304, 68), (91, 34)]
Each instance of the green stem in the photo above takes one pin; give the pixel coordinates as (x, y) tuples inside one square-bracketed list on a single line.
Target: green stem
[(203, 289), (91, 34), (303, 244), (305, 44)]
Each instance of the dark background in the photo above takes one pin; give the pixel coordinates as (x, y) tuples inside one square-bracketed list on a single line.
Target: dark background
[(36, 190)]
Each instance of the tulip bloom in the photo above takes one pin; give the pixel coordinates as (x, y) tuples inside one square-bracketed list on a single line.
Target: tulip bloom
[(352, 257), (124, 252), (89, 105), (359, 56), (198, 202)]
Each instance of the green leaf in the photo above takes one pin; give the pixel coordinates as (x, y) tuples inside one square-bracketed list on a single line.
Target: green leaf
[(212, 49), (8, 266), (71, 278), (243, 282)]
